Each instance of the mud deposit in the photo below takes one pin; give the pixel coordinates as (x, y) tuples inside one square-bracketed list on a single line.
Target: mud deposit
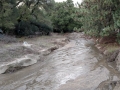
[(77, 65)]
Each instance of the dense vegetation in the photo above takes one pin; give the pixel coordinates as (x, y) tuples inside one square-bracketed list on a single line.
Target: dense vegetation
[(94, 17), (65, 17), (101, 17), (25, 17)]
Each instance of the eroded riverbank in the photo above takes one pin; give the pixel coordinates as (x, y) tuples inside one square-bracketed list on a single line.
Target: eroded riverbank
[(78, 65)]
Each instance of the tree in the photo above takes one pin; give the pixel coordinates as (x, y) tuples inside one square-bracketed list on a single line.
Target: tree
[(64, 16), (34, 19), (25, 17), (97, 17), (116, 16), (5, 13)]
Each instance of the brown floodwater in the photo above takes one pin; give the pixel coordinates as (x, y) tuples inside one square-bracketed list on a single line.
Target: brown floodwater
[(76, 66)]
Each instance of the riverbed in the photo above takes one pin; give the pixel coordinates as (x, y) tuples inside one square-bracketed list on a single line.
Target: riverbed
[(77, 65)]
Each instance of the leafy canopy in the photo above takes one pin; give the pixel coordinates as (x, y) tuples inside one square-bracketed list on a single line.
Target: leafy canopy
[(65, 17)]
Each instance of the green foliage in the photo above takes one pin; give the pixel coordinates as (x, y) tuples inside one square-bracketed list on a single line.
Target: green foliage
[(100, 17), (65, 17), (25, 17), (96, 17), (5, 13)]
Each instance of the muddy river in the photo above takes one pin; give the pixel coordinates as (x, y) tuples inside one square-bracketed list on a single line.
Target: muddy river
[(76, 66)]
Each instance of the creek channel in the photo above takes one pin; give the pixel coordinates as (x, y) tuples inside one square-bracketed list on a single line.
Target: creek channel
[(76, 66)]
